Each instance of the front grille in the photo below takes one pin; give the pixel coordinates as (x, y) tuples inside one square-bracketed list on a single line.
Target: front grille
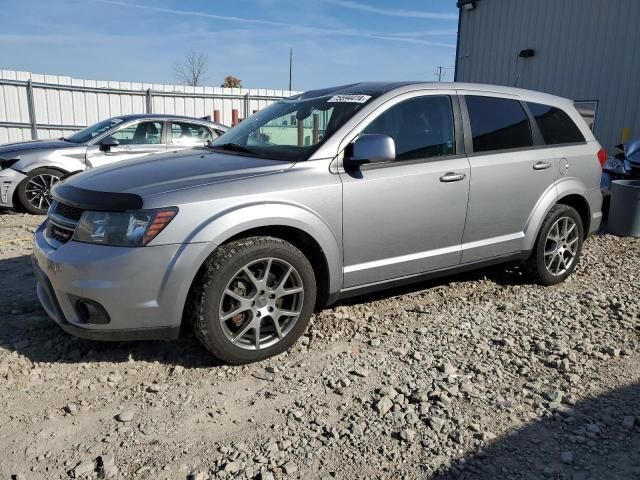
[(59, 234), (67, 211)]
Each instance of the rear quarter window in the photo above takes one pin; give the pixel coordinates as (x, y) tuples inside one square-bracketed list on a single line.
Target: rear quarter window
[(498, 124), (556, 126)]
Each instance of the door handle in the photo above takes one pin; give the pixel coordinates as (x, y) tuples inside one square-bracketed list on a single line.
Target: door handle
[(452, 177), (541, 165)]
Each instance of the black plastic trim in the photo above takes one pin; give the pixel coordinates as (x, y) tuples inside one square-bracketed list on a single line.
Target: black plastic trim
[(94, 200), (536, 134)]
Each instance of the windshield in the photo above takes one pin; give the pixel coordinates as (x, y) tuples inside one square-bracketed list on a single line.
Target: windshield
[(291, 129), (88, 133)]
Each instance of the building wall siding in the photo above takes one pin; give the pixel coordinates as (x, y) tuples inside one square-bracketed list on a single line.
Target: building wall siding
[(584, 50)]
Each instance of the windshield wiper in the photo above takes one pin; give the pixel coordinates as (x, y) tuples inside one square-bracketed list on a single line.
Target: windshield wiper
[(64, 139), (232, 147)]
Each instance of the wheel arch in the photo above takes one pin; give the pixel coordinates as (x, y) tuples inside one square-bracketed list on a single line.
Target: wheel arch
[(298, 226), (569, 192), (581, 205), (15, 197)]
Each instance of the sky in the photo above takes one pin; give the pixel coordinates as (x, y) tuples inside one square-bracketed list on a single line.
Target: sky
[(334, 41)]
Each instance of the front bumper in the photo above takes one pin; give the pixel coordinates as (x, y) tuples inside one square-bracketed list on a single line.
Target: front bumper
[(9, 181), (143, 290)]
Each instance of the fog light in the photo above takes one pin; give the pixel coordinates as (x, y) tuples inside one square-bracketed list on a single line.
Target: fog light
[(4, 193), (89, 311)]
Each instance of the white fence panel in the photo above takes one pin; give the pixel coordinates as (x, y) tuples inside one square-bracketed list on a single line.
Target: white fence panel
[(49, 106)]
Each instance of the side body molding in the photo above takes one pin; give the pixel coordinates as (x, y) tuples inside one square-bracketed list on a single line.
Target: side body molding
[(228, 223)]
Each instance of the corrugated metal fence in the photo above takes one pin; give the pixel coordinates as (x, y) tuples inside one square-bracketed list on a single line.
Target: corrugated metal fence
[(48, 106)]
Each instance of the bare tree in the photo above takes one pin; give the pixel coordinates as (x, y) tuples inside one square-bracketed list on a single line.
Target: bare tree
[(231, 82), (193, 69)]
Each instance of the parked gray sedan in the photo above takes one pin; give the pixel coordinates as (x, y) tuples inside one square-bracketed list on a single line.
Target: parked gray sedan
[(28, 170), (327, 194)]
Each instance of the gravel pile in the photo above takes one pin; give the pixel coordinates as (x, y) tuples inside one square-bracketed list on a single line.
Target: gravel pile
[(476, 376)]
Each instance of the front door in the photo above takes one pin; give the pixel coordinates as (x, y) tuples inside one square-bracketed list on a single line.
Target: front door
[(136, 140), (406, 217)]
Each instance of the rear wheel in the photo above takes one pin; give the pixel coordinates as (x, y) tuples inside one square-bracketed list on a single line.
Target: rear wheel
[(254, 299), (34, 192), (558, 246)]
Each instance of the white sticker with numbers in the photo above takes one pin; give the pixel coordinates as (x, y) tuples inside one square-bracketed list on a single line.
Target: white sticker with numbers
[(349, 99)]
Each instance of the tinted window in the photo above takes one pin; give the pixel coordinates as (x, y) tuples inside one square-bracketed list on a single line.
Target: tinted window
[(498, 124), (190, 134), (555, 125), (142, 133), (421, 127)]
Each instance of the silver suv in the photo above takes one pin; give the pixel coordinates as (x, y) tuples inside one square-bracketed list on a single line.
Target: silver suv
[(28, 170), (324, 195)]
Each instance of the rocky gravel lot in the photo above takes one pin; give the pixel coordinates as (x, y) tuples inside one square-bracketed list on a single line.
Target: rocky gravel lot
[(479, 376)]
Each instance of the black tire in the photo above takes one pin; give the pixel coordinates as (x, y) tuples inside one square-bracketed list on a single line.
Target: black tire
[(537, 262), (222, 268), (37, 204)]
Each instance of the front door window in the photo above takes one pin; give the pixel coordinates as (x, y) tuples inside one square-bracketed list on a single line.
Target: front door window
[(141, 133)]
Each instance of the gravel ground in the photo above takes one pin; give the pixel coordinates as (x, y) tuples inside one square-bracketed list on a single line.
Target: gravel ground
[(479, 376)]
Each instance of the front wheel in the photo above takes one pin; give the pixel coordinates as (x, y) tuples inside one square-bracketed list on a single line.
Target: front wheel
[(558, 245), (253, 300), (34, 192)]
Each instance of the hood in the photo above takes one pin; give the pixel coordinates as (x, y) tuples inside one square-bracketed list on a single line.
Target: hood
[(160, 174), (10, 149)]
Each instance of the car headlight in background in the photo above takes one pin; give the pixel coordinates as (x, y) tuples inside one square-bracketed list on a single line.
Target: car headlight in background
[(123, 229)]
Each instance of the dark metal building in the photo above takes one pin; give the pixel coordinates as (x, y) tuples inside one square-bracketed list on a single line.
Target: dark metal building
[(586, 50)]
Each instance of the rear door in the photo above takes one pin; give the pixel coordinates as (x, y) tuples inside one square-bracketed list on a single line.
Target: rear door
[(136, 139), (510, 171)]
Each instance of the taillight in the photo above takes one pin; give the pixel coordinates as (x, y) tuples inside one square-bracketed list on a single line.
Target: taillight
[(602, 157)]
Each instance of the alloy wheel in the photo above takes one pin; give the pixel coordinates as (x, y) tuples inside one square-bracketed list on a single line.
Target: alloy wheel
[(38, 190), (261, 303), (561, 246)]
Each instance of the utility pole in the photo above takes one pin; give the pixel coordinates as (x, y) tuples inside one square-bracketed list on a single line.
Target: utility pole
[(439, 72), (290, 65)]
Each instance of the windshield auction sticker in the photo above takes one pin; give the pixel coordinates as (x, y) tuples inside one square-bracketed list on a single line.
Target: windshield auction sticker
[(349, 99)]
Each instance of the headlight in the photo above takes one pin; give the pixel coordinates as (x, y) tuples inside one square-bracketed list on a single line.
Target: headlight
[(127, 229)]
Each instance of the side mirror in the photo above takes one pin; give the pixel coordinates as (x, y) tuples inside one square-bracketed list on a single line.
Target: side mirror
[(371, 148), (107, 142)]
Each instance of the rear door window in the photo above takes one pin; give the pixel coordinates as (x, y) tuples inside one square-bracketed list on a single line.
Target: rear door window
[(498, 124), (190, 134), (555, 125)]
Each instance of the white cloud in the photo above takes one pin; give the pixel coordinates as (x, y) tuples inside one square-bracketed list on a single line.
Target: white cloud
[(393, 37), (393, 12)]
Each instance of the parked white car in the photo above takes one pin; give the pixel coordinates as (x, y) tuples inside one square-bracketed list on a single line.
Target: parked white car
[(28, 170)]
